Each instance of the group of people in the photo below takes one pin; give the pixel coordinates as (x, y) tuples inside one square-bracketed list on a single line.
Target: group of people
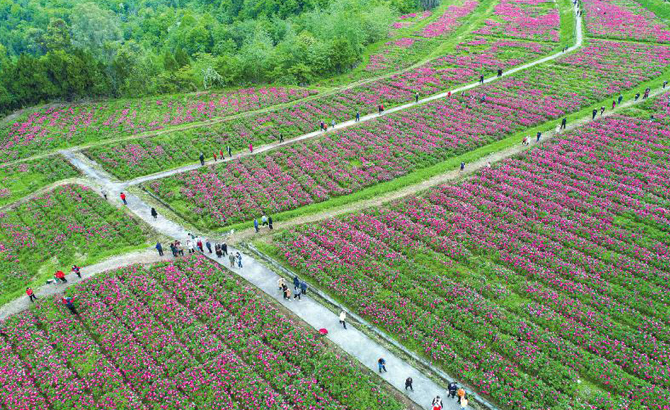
[(299, 288), (265, 221), (454, 392)]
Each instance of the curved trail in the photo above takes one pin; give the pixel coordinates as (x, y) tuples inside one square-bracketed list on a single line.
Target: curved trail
[(269, 147), (353, 341)]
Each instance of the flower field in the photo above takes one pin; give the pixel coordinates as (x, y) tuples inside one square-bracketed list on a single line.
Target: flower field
[(70, 224), (178, 335), (398, 54), (543, 281), (452, 17), (527, 19), (624, 19), (471, 58), (53, 127), (23, 178), (397, 144)]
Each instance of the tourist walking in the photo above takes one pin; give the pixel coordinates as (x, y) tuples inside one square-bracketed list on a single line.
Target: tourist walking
[(460, 394), (231, 257), (224, 248), (416, 97), (159, 248), (281, 137), (500, 72), (215, 157), (123, 198), (208, 245), (60, 276), (481, 79), (217, 250), (619, 99), (202, 159), (323, 124), (77, 270), (239, 260), (296, 282), (303, 287), (287, 293), (264, 220), (602, 110), (281, 282), (154, 213), (104, 194), (173, 249), (332, 124), (381, 364), (464, 402), (539, 135), (31, 295), (637, 96), (613, 104), (230, 152), (408, 384), (646, 93), (251, 148), (437, 403), (462, 166), (453, 387), (69, 303), (190, 246), (198, 243), (358, 116), (270, 223), (665, 83), (256, 224), (343, 319), (594, 113), (297, 293), (563, 123)]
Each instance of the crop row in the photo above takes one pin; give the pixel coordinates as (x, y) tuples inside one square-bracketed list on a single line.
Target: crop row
[(179, 335), (528, 19), (397, 144), (544, 272), (624, 19)]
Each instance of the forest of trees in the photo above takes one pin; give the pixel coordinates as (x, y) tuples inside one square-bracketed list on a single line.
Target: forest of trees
[(69, 49)]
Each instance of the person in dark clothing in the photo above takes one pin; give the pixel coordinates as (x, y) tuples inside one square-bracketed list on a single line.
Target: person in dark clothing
[(208, 245), (159, 248), (646, 93), (69, 302), (618, 100), (637, 96), (602, 110), (462, 166), (281, 137), (224, 248), (217, 250), (408, 384), (665, 83), (416, 97), (270, 222), (358, 116), (77, 270), (154, 213), (481, 79), (563, 123), (284, 291), (453, 387), (539, 135), (173, 249), (500, 72), (31, 295), (296, 282), (297, 293), (230, 152), (323, 125), (256, 224), (303, 287), (381, 364), (613, 104), (202, 159), (593, 114)]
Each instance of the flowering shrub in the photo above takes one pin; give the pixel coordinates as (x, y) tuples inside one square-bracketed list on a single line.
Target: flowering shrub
[(451, 19), (52, 128), (185, 334), (526, 279), (397, 144), (529, 19), (20, 179), (69, 224), (408, 20), (624, 19)]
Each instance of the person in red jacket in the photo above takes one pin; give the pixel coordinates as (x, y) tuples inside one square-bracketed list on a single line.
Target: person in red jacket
[(123, 198), (61, 276), (69, 302), (31, 295)]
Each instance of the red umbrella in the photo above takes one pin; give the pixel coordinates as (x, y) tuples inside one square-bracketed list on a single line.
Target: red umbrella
[(323, 331)]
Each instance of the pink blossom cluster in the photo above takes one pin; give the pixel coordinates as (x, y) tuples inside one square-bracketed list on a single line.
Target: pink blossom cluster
[(546, 270), (397, 54), (451, 19), (186, 335), (624, 19), (57, 127), (533, 19)]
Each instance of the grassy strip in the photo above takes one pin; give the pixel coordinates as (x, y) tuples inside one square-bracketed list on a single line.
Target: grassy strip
[(568, 29), (437, 169), (661, 9)]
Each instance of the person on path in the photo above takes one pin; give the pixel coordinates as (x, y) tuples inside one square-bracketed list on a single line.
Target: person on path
[(594, 113), (180, 249), (208, 245), (462, 166), (613, 104), (123, 198), (343, 319), (154, 213), (190, 246), (563, 123), (297, 293), (437, 403), (77, 270), (173, 249), (323, 124), (303, 287), (325, 127), (202, 159), (287, 293), (61, 276), (224, 248), (159, 248), (358, 116), (332, 124), (217, 250), (453, 387), (525, 140), (104, 194), (256, 224), (449, 94), (296, 282), (221, 154), (215, 157), (239, 260), (602, 110), (381, 364), (379, 109), (618, 101), (665, 83), (230, 152), (198, 243), (281, 137), (637, 96), (464, 402), (264, 220), (539, 135), (500, 72), (31, 295), (408, 384), (481, 79), (416, 97), (460, 394), (231, 257), (69, 302), (646, 93), (270, 223), (281, 282)]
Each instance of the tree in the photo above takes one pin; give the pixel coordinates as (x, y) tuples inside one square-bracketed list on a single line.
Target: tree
[(57, 36), (342, 55), (169, 62), (93, 29), (181, 57)]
